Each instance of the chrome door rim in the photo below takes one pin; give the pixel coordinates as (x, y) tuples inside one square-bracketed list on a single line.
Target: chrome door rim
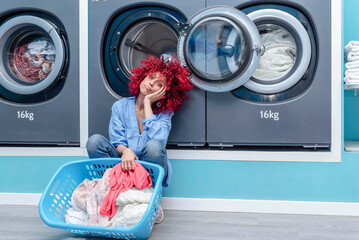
[(297, 27), (255, 43)]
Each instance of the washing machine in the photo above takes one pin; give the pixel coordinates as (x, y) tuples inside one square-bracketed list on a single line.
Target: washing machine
[(261, 69), (39, 73), (122, 33), (287, 99)]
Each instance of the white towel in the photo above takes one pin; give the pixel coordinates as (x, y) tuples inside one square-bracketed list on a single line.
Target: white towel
[(350, 46), (354, 71), (352, 56), (354, 79), (352, 65), (354, 50)]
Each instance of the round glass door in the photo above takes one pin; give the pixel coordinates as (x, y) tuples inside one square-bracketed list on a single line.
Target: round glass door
[(286, 51), (132, 37), (143, 39), (32, 54), (221, 47)]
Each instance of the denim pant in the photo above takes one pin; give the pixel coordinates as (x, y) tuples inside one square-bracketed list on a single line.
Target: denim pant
[(154, 152)]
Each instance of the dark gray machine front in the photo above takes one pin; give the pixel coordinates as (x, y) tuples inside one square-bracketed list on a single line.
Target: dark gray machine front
[(54, 121), (301, 121), (188, 123)]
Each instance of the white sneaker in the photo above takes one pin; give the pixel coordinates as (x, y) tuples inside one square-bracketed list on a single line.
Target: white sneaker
[(160, 215)]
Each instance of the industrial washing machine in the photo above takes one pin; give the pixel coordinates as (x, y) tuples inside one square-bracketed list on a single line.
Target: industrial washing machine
[(39, 73), (261, 68), (121, 35), (287, 100)]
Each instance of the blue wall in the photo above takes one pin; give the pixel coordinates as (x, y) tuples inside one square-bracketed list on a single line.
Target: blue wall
[(351, 106), (230, 179)]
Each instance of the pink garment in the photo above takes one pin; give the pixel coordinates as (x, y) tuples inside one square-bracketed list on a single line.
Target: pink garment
[(121, 181), (89, 196)]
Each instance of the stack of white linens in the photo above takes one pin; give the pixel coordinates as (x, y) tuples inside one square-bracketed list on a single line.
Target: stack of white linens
[(351, 51)]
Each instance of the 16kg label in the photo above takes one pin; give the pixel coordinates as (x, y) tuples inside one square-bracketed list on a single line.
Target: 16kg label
[(25, 115), (270, 115)]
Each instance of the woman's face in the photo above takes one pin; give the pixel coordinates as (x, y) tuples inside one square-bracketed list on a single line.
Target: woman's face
[(152, 83)]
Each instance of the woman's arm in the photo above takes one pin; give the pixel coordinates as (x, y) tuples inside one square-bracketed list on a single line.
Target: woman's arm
[(157, 127), (150, 99), (118, 138), (116, 128)]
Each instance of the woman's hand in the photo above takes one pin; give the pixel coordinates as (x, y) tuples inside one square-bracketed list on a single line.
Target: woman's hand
[(153, 97), (128, 159)]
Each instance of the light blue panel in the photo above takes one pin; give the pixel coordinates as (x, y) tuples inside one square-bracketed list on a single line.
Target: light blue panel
[(351, 103), (265, 180), (29, 174), (215, 179)]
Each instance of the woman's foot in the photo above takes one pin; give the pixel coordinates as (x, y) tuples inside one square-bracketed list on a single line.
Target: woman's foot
[(160, 215)]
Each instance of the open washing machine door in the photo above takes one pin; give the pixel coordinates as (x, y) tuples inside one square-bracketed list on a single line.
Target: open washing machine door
[(221, 46), (33, 57)]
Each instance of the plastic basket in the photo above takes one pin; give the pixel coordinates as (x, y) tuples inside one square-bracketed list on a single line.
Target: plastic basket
[(55, 200)]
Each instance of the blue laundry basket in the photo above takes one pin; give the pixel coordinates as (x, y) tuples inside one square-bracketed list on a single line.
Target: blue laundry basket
[(55, 200)]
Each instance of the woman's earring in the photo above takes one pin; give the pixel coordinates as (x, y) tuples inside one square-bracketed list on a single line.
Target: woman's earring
[(158, 104)]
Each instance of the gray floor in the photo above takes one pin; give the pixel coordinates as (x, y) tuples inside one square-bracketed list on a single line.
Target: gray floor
[(23, 222)]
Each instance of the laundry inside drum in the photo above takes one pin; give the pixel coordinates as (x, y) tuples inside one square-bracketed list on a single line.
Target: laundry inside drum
[(279, 53), (31, 56), (144, 39)]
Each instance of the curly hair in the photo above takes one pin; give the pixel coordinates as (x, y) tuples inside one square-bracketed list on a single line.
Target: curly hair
[(177, 82)]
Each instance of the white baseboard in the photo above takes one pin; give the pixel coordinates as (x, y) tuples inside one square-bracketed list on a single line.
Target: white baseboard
[(261, 206), (222, 205), (20, 198)]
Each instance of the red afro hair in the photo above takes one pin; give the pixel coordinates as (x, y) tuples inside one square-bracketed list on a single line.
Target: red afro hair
[(177, 82)]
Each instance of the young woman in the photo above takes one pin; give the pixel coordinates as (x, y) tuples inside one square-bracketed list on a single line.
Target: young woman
[(140, 125)]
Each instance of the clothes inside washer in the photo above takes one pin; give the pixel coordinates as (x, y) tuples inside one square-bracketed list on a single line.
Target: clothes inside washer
[(33, 61), (279, 55)]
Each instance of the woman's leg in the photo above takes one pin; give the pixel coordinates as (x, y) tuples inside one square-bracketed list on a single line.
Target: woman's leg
[(155, 152), (100, 147)]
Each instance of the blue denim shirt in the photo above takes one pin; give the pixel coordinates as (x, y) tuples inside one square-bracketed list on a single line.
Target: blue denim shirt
[(123, 128)]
